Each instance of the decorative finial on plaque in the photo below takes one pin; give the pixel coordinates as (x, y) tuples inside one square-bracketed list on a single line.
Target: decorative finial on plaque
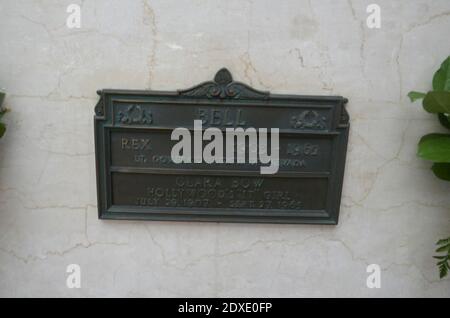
[(223, 87), (223, 76)]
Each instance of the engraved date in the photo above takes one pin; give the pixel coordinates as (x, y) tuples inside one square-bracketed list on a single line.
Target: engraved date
[(307, 149)]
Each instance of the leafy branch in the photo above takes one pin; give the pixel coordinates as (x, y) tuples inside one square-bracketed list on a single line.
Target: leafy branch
[(444, 260), (436, 147)]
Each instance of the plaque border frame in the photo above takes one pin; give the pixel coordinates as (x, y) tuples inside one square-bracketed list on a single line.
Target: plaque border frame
[(222, 91)]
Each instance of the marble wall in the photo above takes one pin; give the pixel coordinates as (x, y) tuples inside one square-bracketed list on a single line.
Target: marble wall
[(393, 208)]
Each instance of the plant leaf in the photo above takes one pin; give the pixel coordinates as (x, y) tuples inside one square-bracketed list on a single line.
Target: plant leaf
[(443, 270), (444, 119), (2, 97), (443, 264), (435, 147), (437, 102), (441, 79), (413, 96), (441, 170), (445, 248), (443, 241), (2, 129)]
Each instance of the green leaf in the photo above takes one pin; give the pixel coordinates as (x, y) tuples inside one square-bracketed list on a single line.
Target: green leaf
[(2, 97), (441, 170), (444, 119), (413, 96), (435, 147), (2, 129), (441, 79), (443, 241), (443, 270), (445, 248), (443, 264), (437, 102)]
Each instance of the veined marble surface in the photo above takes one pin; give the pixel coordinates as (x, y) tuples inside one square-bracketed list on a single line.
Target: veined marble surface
[(393, 208)]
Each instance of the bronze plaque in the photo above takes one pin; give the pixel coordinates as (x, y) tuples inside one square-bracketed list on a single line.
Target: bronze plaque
[(137, 178)]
